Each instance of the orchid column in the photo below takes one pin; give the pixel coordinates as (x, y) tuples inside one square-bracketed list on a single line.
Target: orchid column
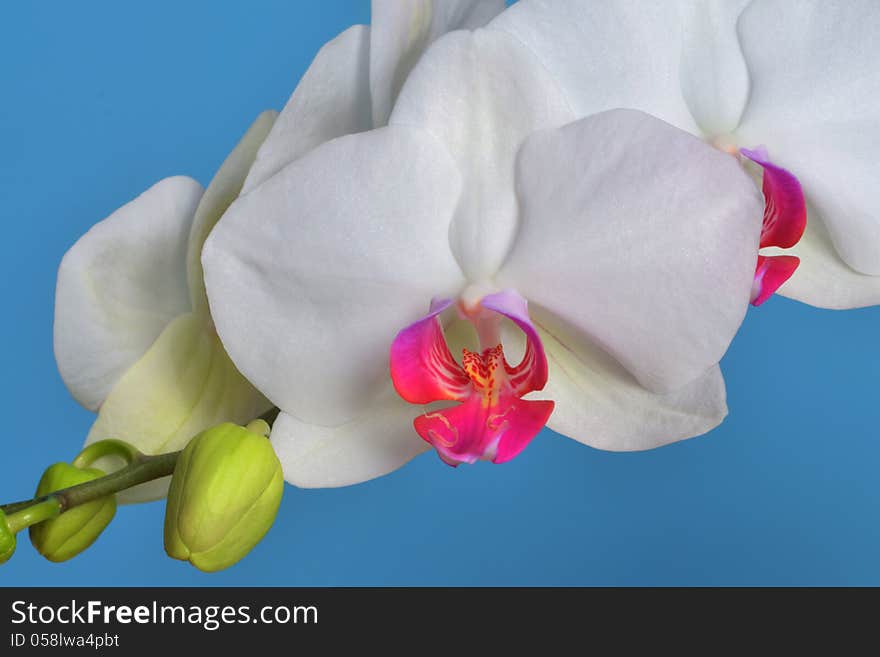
[(614, 254)]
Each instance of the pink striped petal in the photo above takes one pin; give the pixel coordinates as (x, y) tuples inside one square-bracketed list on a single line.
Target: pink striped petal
[(422, 368), (531, 373), (785, 212), (771, 272), (472, 431)]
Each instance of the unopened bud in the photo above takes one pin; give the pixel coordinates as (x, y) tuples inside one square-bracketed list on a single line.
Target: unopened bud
[(224, 496), (65, 536)]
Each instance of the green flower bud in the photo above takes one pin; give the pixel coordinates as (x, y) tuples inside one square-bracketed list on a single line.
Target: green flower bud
[(7, 540), (224, 496), (64, 537)]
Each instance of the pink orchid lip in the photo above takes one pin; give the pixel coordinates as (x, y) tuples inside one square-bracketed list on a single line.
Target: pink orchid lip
[(785, 219), (771, 273), (492, 421)]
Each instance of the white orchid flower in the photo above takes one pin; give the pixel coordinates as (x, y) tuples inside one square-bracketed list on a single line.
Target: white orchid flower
[(799, 79), (134, 338), (614, 255), (133, 333)]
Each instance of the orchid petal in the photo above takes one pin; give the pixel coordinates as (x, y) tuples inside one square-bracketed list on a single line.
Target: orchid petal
[(222, 191), (184, 384), (119, 286), (469, 432), (492, 422), (815, 100), (481, 94), (401, 31), (531, 372), (372, 445), (606, 55), (642, 237), (823, 279), (331, 100), (525, 420), (600, 404), (785, 211), (311, 275), (714, 77), (422, 368), (771, 272)]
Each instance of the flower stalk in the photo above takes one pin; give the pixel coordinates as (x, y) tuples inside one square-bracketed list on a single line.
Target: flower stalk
[(141, 469), (32, 513)]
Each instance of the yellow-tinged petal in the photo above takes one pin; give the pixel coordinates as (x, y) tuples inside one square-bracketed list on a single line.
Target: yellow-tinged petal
[(183, 385)]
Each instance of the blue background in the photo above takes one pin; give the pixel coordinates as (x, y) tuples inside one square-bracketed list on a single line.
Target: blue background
[(101, 99)]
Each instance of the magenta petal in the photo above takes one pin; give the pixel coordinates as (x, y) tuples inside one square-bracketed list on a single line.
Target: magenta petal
[(525, 420), (471, 431), (771, 272), (492, 422), (422, 368), (456, 433), (785, 212), (531, 373)]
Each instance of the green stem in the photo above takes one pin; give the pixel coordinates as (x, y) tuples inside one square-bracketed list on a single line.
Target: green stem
[(33, 513), (140, 469), (143, 469)]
